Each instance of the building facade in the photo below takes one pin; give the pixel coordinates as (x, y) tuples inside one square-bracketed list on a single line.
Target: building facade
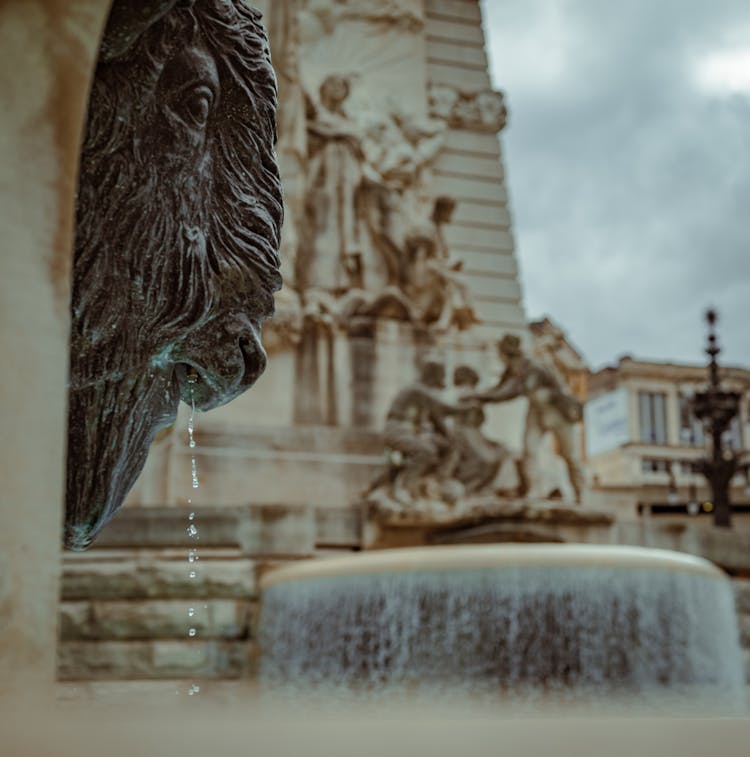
[(643, 444)]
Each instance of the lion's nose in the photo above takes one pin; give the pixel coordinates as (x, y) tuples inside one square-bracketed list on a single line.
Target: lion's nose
[(254, 357), (224, 361)]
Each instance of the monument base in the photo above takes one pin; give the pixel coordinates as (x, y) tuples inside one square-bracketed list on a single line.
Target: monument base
[(388, 524)]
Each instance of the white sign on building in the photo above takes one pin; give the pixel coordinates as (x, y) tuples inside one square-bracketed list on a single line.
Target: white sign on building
[(606, 422)]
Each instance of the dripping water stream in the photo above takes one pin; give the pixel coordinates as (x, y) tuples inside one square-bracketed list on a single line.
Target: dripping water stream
[(192, 528)]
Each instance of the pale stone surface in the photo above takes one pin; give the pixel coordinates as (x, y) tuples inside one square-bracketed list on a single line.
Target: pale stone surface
[(160, 619), (483, 520), (457, 9), (236, 718), (153, 659), (257, 530), (439, 28), (136, 578), (47, 49)]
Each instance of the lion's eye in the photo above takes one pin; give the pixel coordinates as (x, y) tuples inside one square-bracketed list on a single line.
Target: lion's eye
[(196, 107)]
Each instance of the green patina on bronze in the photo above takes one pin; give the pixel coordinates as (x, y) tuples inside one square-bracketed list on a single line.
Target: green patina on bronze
[(177, 233)]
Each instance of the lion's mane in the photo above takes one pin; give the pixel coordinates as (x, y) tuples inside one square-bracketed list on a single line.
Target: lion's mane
[(168, 248)]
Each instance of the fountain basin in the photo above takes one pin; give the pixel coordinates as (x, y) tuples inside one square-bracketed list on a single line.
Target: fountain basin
[(521, 620)]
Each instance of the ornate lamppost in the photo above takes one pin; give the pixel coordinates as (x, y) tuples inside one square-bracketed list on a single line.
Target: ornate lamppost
[(716, 409)]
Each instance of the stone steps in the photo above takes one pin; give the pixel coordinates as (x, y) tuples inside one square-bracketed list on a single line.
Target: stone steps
[(118, 577), (156, 619), (124, 611), (125, 615), (138, 660)]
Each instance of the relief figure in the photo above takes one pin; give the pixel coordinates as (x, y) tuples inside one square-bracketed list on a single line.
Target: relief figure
[(552, 409)]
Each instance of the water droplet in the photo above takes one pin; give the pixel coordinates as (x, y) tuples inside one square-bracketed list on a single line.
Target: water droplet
[(193, 690), (191, 516), (191, 612), (192, 632), (192, 531), (193, 556), (192, 574), (192, 444)]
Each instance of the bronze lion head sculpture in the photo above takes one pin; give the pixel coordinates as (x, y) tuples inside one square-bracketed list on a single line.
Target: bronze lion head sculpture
[(178, 219)]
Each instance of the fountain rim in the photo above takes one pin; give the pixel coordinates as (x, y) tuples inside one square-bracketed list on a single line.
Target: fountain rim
[(479, 556)]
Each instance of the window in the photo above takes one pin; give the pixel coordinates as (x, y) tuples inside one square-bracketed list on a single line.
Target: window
[(655, 465), (691, 429), (652, 408)]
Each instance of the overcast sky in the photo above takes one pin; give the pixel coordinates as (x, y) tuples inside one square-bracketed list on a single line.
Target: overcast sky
[(628, 163)]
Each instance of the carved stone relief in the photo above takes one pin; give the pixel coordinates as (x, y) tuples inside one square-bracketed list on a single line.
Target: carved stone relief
[(177, 235), (363, 254), (481, 111), (330, 258), (551, 409), (439, 298), (438, 459), (436, 451), (407, 14)]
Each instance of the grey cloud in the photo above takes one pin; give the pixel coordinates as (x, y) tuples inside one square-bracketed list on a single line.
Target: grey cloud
[(630, 187)]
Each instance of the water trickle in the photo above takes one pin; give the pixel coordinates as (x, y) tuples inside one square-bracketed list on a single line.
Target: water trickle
[(192, 528)]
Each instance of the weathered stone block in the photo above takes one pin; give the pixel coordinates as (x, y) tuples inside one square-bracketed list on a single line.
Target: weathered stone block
[(499, 312), (277, 530), (480, 144), (463, 54), (500, 263), (477, 236), (494, 287), (459, 9), (469, 189), (158, 579), (255, 529), (440, 28), (338, 527), (468, 80), (166, 619), (152, 659)]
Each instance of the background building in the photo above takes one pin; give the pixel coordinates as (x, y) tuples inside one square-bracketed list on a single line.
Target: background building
[(643, 443)]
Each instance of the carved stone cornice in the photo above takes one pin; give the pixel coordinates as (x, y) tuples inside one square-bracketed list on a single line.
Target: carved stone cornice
[(479, 111)]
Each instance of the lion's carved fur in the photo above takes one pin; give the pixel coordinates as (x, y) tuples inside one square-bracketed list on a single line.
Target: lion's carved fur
[(177, 233)]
